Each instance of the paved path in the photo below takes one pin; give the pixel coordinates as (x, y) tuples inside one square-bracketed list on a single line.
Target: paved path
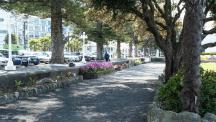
[(123, 96)]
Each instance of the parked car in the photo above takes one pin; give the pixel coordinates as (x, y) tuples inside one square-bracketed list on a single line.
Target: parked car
[(5, 52), (25, 60), (93, 56), (43, 57), (71, 57), (3, 60)]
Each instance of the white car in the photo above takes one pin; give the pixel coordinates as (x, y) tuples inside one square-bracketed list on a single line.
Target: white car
[(3, 60), (43, 57), (69, 57)]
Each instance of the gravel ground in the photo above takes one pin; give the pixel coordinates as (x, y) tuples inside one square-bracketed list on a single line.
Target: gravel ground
[(123, 96)]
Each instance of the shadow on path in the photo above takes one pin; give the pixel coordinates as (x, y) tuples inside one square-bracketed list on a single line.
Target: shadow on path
[(123, 96)]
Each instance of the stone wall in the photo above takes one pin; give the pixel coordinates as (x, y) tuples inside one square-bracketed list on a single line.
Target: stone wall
[(36, 90), (156, 114), (7, 81)]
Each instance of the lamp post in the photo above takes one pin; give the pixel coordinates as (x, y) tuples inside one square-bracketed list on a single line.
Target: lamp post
[(83, 37), (10, 65)]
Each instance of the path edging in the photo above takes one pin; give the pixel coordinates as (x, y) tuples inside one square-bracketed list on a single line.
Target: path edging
[(35, 91)]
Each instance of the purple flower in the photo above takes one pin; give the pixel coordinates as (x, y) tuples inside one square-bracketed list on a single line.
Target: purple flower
[(96, 65)]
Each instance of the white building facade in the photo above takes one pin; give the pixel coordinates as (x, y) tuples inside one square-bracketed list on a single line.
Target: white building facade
[(25, 27)]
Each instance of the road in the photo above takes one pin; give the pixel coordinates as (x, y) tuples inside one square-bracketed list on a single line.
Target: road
[(123, 96)]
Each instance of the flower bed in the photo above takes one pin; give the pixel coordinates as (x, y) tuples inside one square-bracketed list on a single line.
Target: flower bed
[(95, 69)]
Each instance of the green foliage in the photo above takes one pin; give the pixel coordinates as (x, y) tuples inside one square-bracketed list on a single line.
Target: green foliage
[(15, 47), (14, 39), (40, 44), (212, 53), (137, 62), (69, 75), (72, 9), (100, 33), (169, 93), (31, 81), (74, 45), (114, 5), (18, 84), (208, 93), (30, 8), (61, 77)]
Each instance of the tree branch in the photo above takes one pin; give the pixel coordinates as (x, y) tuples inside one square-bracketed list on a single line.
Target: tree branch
[(177, 16), (205, 46), (161, 25), (212, 18), (211, 31), (208, 7), (159, 8)]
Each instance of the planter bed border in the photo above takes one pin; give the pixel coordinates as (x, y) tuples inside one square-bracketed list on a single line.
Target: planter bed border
[(37, 90)]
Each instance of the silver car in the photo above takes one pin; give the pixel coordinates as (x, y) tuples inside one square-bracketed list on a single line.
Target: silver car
[(3, 60)]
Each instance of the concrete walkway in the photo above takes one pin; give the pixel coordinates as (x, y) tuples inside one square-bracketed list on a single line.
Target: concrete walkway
[(123, 96)]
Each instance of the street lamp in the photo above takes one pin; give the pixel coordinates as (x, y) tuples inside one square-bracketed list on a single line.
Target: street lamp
[(83, 37), (10, 65)]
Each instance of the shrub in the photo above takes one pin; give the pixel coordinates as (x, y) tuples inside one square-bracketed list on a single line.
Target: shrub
[(208, 93), (137, 62), (18, 84), (169, 93)]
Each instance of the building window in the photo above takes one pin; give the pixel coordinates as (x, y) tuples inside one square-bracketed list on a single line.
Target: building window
[(38, 28)]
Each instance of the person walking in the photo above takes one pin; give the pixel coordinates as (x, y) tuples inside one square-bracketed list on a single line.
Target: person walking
[(106, 56)]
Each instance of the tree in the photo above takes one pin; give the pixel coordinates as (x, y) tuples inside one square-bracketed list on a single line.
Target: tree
[(191, 42), (118, 27), (69, 10), (45, 43), (161, 18), (14, 39), (74, 45), (40, 44), (101, 34), (34, 44)]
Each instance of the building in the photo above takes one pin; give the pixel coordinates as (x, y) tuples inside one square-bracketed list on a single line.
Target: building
[(25, 27)]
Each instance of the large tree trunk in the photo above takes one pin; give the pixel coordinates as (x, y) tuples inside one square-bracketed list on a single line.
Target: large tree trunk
[(169, 61), (191, 48), (118, 51), (130, 48), (56, 32), (100, 51), (136, 50)]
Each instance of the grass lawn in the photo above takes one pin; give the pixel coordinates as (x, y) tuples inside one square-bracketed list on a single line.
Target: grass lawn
[(209, 66)]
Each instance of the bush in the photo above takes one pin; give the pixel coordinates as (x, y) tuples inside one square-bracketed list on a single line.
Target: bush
[(137, 62), (208, 93), (169, 93)]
